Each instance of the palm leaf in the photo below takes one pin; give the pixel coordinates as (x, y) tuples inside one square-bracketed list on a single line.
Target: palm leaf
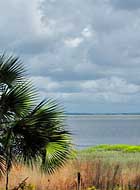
[(11, 70), (28, 133), (57, 153), (39, 132), (17, 100)]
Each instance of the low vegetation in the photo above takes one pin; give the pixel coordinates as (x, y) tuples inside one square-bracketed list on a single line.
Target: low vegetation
[(104, 167), (118, 147)]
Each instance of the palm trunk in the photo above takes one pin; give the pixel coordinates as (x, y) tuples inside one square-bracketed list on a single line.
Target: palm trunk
[(7, 172), (7, 168), (8, 158), (7, 179)]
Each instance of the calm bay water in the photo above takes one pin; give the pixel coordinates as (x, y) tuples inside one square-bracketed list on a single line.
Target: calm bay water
[(89, 130)]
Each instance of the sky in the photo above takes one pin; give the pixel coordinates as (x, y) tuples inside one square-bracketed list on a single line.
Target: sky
[(83, 53)]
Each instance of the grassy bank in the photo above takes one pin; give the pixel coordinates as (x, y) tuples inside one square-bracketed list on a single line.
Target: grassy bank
[(122, 153), (104, 167), (119, 147)]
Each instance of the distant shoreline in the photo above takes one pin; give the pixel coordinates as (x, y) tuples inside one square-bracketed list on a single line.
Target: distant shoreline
[(104, 114), (121, 116)]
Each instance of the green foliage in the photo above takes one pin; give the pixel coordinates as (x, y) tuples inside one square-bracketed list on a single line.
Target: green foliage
[(127, 154), (11, 70), (118, 147), (30, 133)]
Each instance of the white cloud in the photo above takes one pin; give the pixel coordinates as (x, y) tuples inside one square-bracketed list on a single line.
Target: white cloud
[(113, 90), (78, 51), (113, 85), (73, 42), (45, 84)]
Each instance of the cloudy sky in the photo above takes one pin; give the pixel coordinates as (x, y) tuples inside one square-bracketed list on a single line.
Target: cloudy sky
[(84, 53)]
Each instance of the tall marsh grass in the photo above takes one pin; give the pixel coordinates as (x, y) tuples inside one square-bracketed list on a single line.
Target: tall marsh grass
[(103, 170)]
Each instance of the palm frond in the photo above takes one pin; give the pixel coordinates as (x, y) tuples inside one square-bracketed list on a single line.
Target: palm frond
[(57, 153), (28, 133), (11, 70), (17, 100), (41, 131)]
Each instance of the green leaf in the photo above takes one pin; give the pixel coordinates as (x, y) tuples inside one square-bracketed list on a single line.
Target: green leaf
[(41, 136), (29, 133), (11, 70), (17, 100)]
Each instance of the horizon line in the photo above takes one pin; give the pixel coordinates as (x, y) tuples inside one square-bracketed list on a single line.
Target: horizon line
[(80, 113)]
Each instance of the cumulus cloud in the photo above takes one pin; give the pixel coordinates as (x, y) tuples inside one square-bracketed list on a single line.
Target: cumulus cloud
[(73, 42), (114, 85), (112, 90), (84, 53)]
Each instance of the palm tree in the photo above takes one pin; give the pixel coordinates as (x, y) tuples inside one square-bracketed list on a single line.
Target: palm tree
[(29, 133)]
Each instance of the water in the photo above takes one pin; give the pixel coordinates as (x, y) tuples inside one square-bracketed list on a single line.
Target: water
[(89, 130)]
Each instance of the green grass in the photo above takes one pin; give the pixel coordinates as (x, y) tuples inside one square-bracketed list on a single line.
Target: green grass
[(119, 147), (112, 153)]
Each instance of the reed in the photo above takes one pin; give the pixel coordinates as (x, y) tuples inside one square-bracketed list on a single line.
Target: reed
[(103, 171)]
